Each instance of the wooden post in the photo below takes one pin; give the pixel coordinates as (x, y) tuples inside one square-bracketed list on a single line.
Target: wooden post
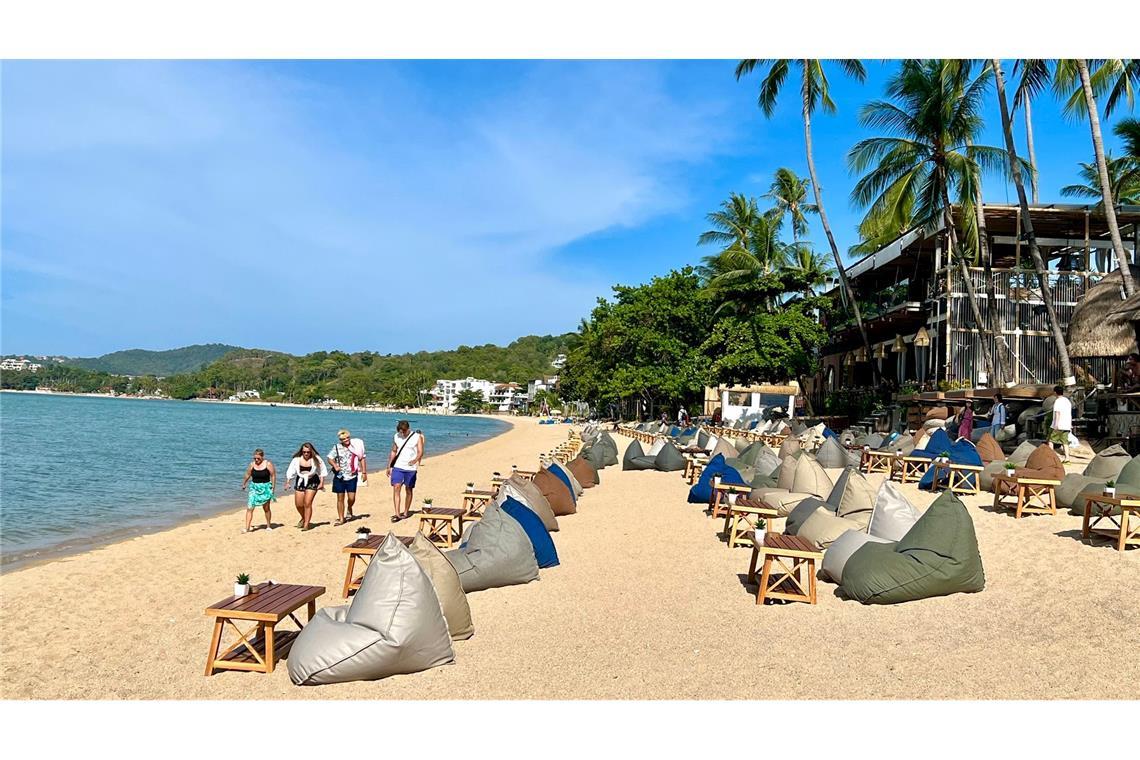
[(1086, 264)]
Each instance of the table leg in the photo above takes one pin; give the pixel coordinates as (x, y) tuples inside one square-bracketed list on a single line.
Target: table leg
[(1020, 499), (215, 642), (270, 654), (752, 564), (811, 579), (348, 575), (762, 591), (1123, 540), (310, 610), (1085, 523)]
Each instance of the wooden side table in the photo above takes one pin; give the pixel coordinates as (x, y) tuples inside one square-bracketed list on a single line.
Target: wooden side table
[(442, 525), (877, 461), (911, 468), (1025, 495), (718, 498), (1098, 508), (474, 503), (960, 478), (786, 583), (363, 550), (265, 607), (740, 522)]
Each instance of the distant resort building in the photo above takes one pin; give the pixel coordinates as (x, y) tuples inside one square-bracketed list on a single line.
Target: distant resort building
[(244, 396), (504, 397), (918, 316), (559, 361), (19, 365), (544, 383)]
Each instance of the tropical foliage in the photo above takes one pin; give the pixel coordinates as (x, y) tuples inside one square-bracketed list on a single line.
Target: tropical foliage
[(469, 402)]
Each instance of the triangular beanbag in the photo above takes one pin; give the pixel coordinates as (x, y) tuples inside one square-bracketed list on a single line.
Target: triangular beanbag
[(1043, 463), (1108, 463), (765, 460), (789, 447), (989, 449), (841, 549), (495, 552), (583, 472), (669, 459), (724, 448), (544, 552), (701, 492), (632, 451), (445, 580), (856, 500), (394, 625), (961, 452), (810, 478), (894, 515), (556, 493), (568, 478), (831, 454), (938, 556), (522, 489), (1021, 454), (822, 527)]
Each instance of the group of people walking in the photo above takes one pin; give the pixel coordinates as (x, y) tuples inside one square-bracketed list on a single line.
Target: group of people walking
[(308, 473)]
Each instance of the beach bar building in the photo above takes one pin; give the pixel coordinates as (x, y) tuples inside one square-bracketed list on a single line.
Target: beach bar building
[(918, 317)]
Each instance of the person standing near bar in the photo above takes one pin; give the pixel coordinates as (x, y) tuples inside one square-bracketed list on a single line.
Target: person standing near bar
[(966, 426), (1062, 423), (997, 415), (348, 462)]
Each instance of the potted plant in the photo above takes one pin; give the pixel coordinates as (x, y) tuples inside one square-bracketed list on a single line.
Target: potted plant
[(1110, 488), (427, 504), (497, 475), (470, 487), (761, 530), (514, 467), (732, 499), (363, 533), (241, 584), (716, 481), (945, 457), (1009, 468)]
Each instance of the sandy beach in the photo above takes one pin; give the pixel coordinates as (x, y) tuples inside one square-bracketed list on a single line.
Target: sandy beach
[(648, 603)]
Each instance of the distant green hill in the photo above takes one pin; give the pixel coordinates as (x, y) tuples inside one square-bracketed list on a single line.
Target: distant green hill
[(137, 361)]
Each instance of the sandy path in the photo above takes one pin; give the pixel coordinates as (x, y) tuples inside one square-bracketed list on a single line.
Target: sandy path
[(648, 603)]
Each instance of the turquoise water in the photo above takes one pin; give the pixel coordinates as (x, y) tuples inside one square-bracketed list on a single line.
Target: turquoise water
[(75, 471)]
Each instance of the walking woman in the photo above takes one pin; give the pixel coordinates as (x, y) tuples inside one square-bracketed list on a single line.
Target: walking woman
[(966, 427), (261, 476), (306, 475)]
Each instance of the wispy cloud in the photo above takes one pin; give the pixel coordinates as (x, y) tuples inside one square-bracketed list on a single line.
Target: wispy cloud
[(333, 205)]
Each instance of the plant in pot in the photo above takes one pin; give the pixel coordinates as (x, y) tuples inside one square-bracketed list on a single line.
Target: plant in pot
[(716, 481), (427, 505), (761, 530), (1010, 468), (945, 456), (363, 533), (1110, 488), (470, 487), (241, 584)]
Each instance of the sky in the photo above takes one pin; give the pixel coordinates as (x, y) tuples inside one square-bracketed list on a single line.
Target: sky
[(390, 206)]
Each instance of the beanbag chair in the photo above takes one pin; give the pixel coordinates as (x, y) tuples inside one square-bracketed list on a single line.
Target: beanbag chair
[(447, 587), (1105, 466), (544, 552), (962, 451), (805, 509), (789, 447), (832, 455), (938, 556), (609, 449), (495, 552), (938, 442), (702, 438), (556, 493), (568, 478), (669, 459), (808, 479), (595, 455), (701, 492), (1108, 463), (523, 490), (853, 498), (874, 440), (841, 549), (725, 448), (1043, 463), (893, 515), (785, 477), (938, 413), (765, 462), (393, 625), (989, 449), (822, 527), (632, 451), (751, 452), (903, 443), (1021, 454), (583, 472)]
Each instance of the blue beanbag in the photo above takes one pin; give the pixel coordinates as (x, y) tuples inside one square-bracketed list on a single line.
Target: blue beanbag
[(544, 552), (561, 473), (701, 491), (674, 431), (961, 452), (829, 433), (939, 442)]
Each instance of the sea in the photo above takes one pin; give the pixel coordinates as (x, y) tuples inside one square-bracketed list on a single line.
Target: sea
[(81, 471)]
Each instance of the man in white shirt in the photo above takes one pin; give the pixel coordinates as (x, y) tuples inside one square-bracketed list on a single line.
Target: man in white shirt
[(348, 461), (403, 467), (1062, 421)]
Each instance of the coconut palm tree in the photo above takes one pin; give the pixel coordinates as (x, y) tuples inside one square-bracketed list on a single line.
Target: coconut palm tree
[(1027, 224), (1034, 78), (929, 155), (1117, 77), (789, 193), (733, 224), (749, 240), (809, 265), (814, 92), (1123, 179), (1128, 130)]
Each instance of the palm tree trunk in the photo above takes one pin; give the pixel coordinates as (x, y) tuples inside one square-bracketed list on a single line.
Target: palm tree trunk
[(1002, 359), (1029, 146), (1105, 183), (971, 292), (1027, 228), (818, 192)]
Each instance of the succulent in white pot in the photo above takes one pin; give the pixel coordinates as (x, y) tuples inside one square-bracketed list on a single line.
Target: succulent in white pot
[(470, 487), (241, 584), (760, 531), (1110, 488)]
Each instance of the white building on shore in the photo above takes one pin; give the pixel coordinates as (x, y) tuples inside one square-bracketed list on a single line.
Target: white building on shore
[(503, 396), (19, 365)]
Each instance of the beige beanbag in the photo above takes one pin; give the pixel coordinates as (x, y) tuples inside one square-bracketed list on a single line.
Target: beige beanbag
[(445, 580), (823, 527), (858, 500), (989, 449)]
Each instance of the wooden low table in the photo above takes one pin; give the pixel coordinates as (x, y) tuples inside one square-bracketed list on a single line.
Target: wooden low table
[(911, 468), (363, 549), (775, 440), (718, 498), (442, 525), (1033, 496), (528, 474), (740, 522), (958, 477), (1098, 508), (786, 583), (878, 461), (266, 606), (475, 501)]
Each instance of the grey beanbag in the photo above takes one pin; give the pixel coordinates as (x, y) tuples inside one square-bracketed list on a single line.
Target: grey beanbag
[(495, 552), (632, 451), (523, 490), (394, 625), (841, 549), (893, 515), (669, 459)]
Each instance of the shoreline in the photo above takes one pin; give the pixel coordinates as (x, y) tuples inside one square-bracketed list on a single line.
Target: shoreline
[(71, 547)]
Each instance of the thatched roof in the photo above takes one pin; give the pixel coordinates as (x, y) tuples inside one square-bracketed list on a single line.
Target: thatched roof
[(1091, 330), (1127, 311)]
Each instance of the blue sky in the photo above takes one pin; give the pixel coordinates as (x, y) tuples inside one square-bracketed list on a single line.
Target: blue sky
[(388, 206)]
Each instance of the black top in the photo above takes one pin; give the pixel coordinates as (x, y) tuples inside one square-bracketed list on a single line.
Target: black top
[(260, 476)]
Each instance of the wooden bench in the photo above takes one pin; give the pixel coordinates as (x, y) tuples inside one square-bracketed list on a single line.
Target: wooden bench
[(877, 461), (363, 549), (911, 468), (442, 525), (740, 522), (775, 440), (266, 606), (718, 498), (475, 501), (1035, 496), (786, 582), (958, 477), (1098, 508)]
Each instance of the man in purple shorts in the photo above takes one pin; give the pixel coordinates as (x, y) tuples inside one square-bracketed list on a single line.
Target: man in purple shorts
[(403, 465)]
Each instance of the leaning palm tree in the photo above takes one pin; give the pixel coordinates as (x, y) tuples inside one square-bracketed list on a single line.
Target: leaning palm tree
[(1123, 180), (1027, 225), (930, 154), (814, 92), (789, 193), (1117, 77)]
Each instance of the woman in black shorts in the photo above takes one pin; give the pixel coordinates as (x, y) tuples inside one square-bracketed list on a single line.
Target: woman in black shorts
[(306, 475)]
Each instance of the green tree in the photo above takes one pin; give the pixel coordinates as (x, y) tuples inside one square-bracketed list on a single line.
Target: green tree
[(789, 194), (1123, 179), (469, 402)]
